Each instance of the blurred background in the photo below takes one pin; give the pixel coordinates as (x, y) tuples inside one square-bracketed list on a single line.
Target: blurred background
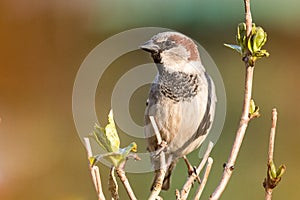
[(42, 45)]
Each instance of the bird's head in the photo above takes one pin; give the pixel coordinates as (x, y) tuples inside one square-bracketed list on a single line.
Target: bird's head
[(172, 49)]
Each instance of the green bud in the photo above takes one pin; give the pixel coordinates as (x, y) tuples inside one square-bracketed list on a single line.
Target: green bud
[(251, 38), (280, 171), (261, 54), (241, 35), (250, 45), (272, 171), (252, 106), (259, 39), (253, 31), (253, 110)]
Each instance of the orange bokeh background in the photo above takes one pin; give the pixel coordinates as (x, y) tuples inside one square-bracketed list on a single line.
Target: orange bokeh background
[(42, 44)]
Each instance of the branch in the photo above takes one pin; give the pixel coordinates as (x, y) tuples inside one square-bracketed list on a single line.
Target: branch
[(248, 17), (162, 171), (273, 175), (94, 170), (156, 131), (121, 174), (228, 169), (113, 185), (204, 179), (268, 190), (272, 135), (188, 184)]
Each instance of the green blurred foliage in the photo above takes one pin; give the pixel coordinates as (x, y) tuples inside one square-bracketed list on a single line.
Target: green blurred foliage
[(43, 44)]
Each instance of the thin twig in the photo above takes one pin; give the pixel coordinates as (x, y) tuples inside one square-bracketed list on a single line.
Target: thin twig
[(113, 185), (121, 174), (157, 185), (248, 17), (88, 147), (163, 168), (156, 131), (268, 188), (204, 179), (94, 170), (188, 184), (272, 135), (228, 169)]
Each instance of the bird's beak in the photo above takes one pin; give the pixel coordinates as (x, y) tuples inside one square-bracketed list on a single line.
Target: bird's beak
[(150, 47)]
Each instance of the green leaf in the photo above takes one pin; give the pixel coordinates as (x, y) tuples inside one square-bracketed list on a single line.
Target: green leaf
[(252, 106), (241, 35), (272, 171), (111, 132), (261, 54), (234, 47), (253, 29), (107, 137), (253, 110), (250, 44), (259, 39), (109, 140), (116, 158), (132, 147), (280, 171)]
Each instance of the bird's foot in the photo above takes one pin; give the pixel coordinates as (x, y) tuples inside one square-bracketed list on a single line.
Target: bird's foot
[(162, 146), (191, 169)]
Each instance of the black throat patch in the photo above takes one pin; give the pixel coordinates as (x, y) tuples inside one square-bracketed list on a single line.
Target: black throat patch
[(178, 86)]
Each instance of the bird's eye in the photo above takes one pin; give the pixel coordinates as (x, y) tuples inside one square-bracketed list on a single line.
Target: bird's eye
[(168, 43)]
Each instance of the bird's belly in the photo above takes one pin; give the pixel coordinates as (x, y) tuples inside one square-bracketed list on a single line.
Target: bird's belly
[(185, 140), (178, 123)]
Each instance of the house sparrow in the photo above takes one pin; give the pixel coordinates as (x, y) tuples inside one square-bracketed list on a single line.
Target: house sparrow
[(181, 99)]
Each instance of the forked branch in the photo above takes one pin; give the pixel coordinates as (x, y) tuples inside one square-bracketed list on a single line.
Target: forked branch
[(188, 184), (94, 171)]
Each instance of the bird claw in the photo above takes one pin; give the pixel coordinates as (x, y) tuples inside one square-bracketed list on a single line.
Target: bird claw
[(192, 170), (195, 173), (161, 147)]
